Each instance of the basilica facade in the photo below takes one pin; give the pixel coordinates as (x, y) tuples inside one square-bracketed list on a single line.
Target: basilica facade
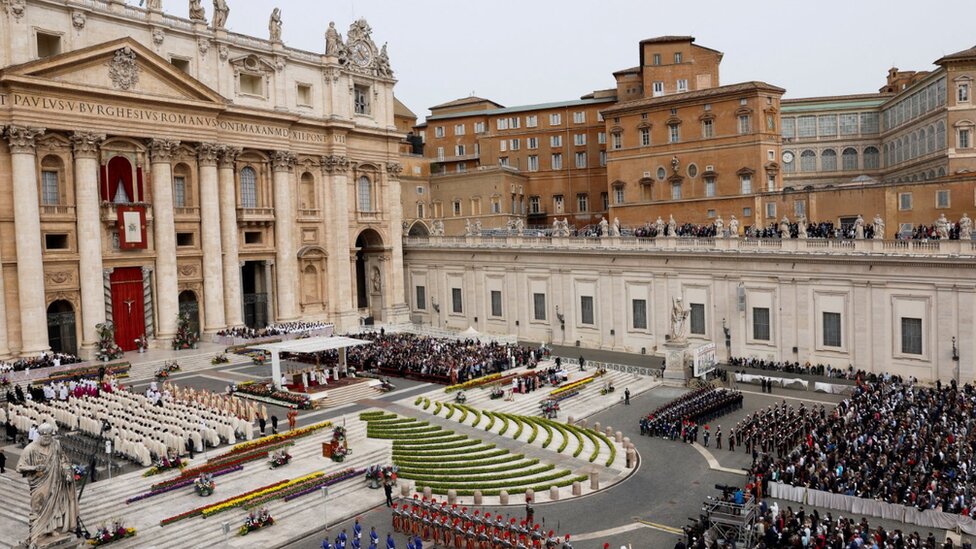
[(153, 165)]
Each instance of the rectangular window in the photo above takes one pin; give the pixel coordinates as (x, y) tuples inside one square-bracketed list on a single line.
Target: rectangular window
[(557, 203), (800, 207), (674, 133), (828, 125), (184, 239), (361, 95), (582, 202), (658, 88), (964, 141), (789, 127), (501, 123), (48, 45), (870, 123), (533, 163), (503, 161), (534, 205), (539, 306), (556, 141), (440, 153), (618, 195), (459, 129), (848, 124), (555, 119), (682, 85), (421, 298), (515, 122), (760, 323), (531, 121), (708, 129), (618, 141), (179, 191), (503, 145), (479, 127), (905, 201), (56, 242), (533, 143), (304, 95), (557, 161), (516, 144), (601, 138), (831, 330), (645, 137), (942, 199), (962, 95), (603, 158), (639, 307), (771, 210), (746, 212), (698, 318), (657, 58), (252, 84), (579, 139), (50, 195), (676, 191), (745, 123), (496, 206), (746, 183), (456, 302), (579, 117), (605, 201), (180, 63), (807, 126), (581, 160), (439, 131), (496, 303), (461, 167), (710, 214), (911, 336), (709, 186), (459, 150), (586, 309), (677, 57)]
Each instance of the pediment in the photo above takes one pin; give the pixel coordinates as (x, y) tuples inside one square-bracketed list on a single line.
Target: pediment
[(121, 66)]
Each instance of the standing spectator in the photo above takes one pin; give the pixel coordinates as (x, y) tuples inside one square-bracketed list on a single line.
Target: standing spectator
[(627, 396), (3, 462), (292, 419), (274, 425), (582, 363), (388, 490)]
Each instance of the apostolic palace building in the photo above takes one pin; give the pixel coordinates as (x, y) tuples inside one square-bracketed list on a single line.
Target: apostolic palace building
[(153, 165)]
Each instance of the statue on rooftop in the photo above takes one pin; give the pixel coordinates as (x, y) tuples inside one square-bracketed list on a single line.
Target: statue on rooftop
[(879, 228), (220, 12), (965, 227), (197, 13), (333, 40), (274, 26)]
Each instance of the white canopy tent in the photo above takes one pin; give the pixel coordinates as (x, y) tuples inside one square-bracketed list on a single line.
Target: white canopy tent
[(308, 346)]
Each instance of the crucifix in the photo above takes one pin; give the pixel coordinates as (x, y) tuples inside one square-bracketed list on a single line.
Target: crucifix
[(128, 304)]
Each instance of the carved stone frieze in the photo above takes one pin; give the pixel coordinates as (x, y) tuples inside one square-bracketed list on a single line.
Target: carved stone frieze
[(162, 150), (22, 140), (335, 164), (123, 69), (208, 154), (282, 161), (86, 144)]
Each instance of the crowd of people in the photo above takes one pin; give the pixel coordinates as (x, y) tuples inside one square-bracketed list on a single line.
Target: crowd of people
[(46, 360), (272, 330), (648, 230), (892, 441), (431, 359), (687, 416), (822, 229), (930, 232), (795, 367)]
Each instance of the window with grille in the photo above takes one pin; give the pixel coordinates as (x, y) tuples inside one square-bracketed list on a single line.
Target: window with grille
[(760, 323), (808, 161), (579, 117), (365, 195), (745, 123), (531, 121), (645, 137), (586, 309), (539, 306), (789, 127), (745, 182), (831, 330), (849, 158), (618, 195), (828, 160), (870, 123), (557, 161), (617, 140), (249, 190), (828, 125), (942, 199), (179, 191), (872, 158), (676, 191), (496, 303), (964, 139), (799, 207), (911, 336), (421, 298), (708, 129), (534, 205), (848, 124), (362, 99), (456, 301), (709, 186), (640, 314), (905, 201), (603, 158), (581, 160), (533, 143), (533, 163), (698, 318), (556, 141), (807, 126), (50, 194), (555, 119), (582, 203), (674, 133)]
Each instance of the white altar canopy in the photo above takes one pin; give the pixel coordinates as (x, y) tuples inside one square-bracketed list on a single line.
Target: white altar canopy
[(308, 346)]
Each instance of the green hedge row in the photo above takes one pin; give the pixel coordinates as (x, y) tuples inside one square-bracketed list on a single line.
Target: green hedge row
[(613, 449), (437, 453), (596, 444), (468, 470), (450, 410), (443, 464), (535, 432), (375, 414), (453, 445), (437, 408), (434, 441), (452, 456), (474, 485), (426, 403), (472, 477), (491, 420), (504, 423), (494, 492)]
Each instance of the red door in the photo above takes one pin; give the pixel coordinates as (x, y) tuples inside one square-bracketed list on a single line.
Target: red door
[(127, 306)]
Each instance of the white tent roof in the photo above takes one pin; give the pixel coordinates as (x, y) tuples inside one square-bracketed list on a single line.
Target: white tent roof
[(312, 345), (470, 332)]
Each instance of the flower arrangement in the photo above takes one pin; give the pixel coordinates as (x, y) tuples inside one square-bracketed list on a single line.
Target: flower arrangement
[(165, 464), (204, 485), (256, 521), (78, 472), (265, 393), (281, 437), (329, 480), (4, 381), (180, 482), (219, 358), (172, 366), (108, 534), (578, 384), (107, 348), (549, 408), (339, 454), (259, 358), (224, 504), (142, 343), (473, 383), (185, 338), (497, 393), (376, 475), (279, 459)]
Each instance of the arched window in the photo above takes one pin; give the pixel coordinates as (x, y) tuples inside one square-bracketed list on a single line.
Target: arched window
[(364, 190), (828, 160), (310, 281), (849, 158), (789, 167), (931, 174), (808, 161), (940, 136), (307, 190), (942, 172), (182, 188), (872, 158), (249, 188), (930, 139), (914, 145), (51, 170)]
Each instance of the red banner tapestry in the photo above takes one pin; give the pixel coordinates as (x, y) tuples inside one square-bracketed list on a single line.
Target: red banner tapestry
[(132, 227)]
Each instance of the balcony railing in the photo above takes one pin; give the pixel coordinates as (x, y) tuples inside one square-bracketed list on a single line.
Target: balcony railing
[(110, 215), (458, 158), (310, 212), (187, 212), (255, 216), (57, 211)]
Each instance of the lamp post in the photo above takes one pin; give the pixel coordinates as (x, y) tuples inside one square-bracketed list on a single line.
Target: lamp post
[(325, 507), (955, 358)]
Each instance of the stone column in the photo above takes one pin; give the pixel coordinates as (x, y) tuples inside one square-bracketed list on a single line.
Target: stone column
[(89, 237), (395, 299), (27, 223), (286, 254), (164, 229), (233, 314), (213, 278), (341, 256)]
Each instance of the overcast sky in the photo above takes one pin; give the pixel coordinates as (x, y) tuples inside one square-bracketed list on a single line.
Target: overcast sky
[(519, 52)]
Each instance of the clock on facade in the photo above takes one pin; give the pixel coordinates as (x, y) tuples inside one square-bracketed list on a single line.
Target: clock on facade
[(360, 53), (787, 157)]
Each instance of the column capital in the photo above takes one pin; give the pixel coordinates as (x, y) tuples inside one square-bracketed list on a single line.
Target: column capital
[(208, 154), (394, 169), (282, 161), (335, 164), (86, 144), (21, 138), (228, 156), (161, 150)]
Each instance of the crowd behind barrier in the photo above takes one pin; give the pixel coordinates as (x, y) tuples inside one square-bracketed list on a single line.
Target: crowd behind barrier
[(282, 331), (46, 360), (806, 368)]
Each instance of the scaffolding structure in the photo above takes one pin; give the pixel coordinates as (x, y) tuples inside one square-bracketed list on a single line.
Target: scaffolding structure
[(728, 521)]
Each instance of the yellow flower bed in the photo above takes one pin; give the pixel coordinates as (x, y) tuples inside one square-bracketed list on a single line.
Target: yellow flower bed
[(572, 386), (297, 433), (473, 382), (237, 502)]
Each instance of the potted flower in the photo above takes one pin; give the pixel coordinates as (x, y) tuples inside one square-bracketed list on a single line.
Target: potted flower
[(497, 393), (258, 358), (204, 485), (142, 343), (219, 358), (279, 459), (108, 534), (339, 454), (256, 521), (374, 475)]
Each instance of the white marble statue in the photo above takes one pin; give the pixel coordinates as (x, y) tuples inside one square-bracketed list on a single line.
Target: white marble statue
[(659, 227), (879, 228), (615, 228), (333, 40), (784, 227), (678, 317), (477, 227), (672, 226), (965, 227), (859, 227), (274, 26), (719, 225), (220, 13), (942, 227), (154, 5), (54, 500), (801, 227), (468, 228), (519, 226), (438, 228), (197, 12), (733, 227), (604, 227)]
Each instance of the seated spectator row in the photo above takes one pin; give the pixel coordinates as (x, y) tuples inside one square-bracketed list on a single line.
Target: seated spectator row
[(47, 360), (272, 330), (796, 368)]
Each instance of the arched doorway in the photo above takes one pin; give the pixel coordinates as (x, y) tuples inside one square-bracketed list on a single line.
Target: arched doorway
[(191, 308), (61, 332), (369, 274)]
